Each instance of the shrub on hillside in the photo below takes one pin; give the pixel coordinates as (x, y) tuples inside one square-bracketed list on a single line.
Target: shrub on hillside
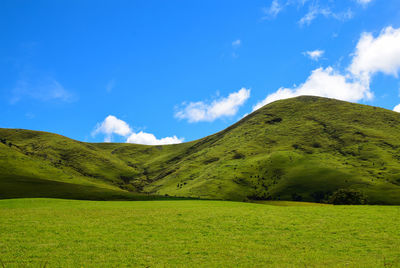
[(321, 196), (259, 194), (238, 156), (296, 197), (347, 197)]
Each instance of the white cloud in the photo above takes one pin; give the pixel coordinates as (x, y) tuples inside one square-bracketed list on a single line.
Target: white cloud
[(342, 16), (380, 54), (397, 108), (273, 10), (314, 55), (314, 11), (236, 43), (201, 111), (364, 2), (372, 55), (42, 88), (30, 115), (112, 125), (110, 85), (325, 83), (309, 16), (150, 139)]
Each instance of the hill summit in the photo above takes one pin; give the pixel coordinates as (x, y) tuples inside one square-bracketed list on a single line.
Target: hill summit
[(303, 148)]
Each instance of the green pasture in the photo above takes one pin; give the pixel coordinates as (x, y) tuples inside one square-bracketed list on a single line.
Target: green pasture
[(69, 233)]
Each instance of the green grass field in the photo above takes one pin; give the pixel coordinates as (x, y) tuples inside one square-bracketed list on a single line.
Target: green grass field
[(68, 233)]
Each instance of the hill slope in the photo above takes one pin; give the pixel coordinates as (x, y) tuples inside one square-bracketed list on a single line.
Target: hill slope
[(302, 148)]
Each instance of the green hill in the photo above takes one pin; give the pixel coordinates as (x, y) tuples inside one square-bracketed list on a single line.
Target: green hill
[(303, 148)]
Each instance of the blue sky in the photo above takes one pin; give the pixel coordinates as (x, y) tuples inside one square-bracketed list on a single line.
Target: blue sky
[(158, 72)]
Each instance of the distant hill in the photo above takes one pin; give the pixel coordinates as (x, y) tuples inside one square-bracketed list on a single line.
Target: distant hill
[(303, 148)]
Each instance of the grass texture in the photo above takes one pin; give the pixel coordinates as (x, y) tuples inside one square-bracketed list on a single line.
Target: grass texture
[(69, 233)]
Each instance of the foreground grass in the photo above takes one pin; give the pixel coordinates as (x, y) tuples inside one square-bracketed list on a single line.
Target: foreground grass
[(71, 233)]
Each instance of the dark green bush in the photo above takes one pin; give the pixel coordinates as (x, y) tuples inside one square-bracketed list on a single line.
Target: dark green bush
[(347, 197), (297, 197), (259, 194), (238, 156), (210, 160)]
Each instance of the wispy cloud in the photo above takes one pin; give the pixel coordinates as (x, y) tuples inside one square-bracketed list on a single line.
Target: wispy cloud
[(203, 111), (236, 43), (30, 115), (315, 54), (315, 10), (43, 89), (235, 46), (273, 10), (110, 85), (364, 2), (112, 125)]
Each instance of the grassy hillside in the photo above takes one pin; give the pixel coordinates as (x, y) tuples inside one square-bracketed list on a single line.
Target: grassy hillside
[(69, 233), (303, 148), (39, 164)]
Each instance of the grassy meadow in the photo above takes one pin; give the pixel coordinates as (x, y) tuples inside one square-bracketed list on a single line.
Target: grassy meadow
[(70, 233)]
